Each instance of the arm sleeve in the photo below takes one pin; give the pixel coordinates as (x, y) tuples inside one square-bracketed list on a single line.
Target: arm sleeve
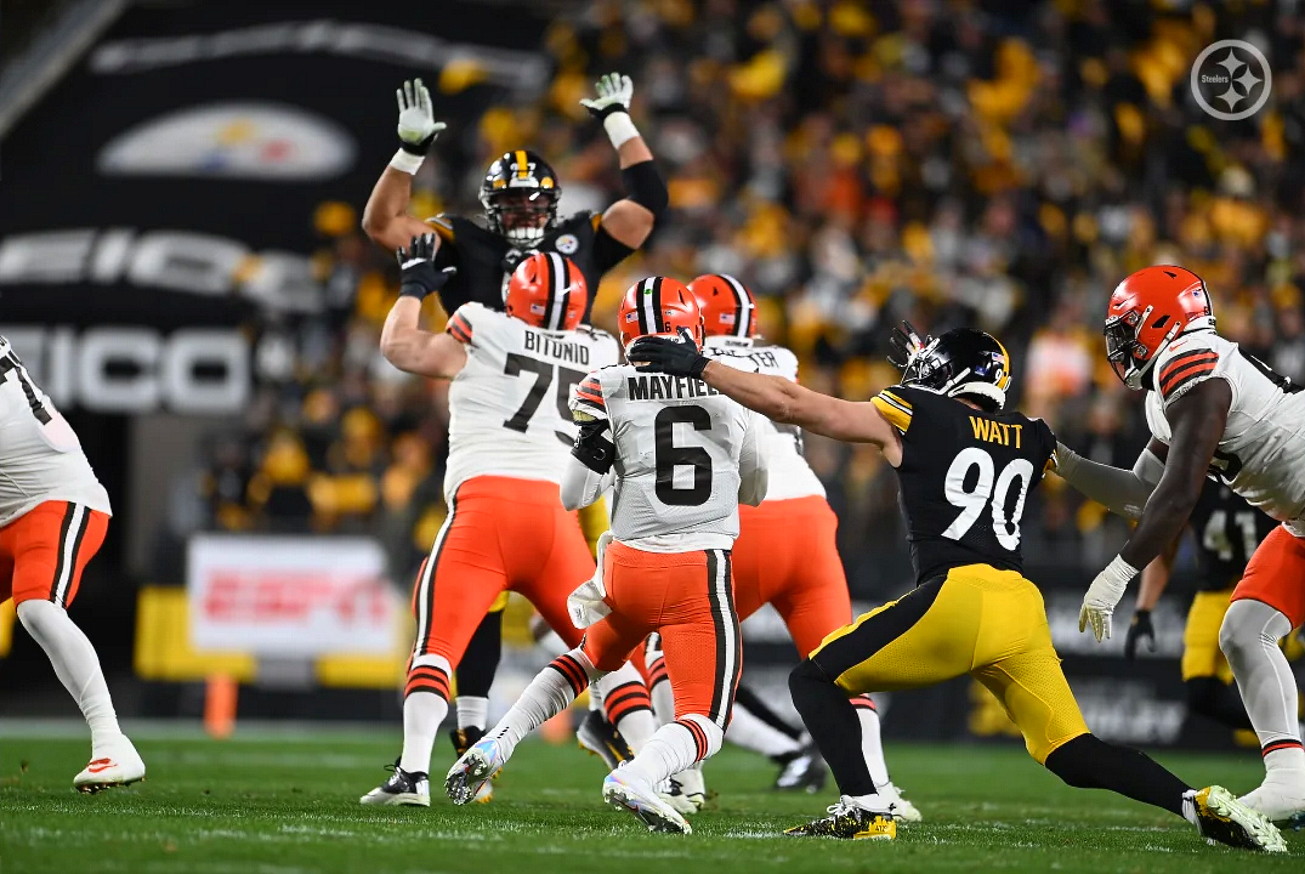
[(754, 477), (582, 486), (1124, 492), (608, 251)]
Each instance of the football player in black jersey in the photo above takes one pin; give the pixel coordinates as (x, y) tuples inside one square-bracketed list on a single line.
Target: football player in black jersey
[(1226, 530), (520, 195), (964, 468)]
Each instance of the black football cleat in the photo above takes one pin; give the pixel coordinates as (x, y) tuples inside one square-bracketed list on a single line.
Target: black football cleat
[(803, 770), (601, 738), (409, 788), (849, 822)]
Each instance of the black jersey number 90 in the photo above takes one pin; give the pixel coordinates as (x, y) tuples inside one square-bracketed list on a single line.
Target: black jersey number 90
[(669, 457)]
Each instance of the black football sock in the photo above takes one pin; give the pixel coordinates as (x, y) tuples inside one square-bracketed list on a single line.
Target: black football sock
[(833, 724), (1087, 762), (752, 702), (1214, 699)]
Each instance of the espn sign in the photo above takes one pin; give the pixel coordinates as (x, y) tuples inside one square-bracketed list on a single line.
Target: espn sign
[(290, 597)]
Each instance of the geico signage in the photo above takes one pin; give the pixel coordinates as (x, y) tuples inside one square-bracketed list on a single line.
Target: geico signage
[(172, 259), (137, 370)]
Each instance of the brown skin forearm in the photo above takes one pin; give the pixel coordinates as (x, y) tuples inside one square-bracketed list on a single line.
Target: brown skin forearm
[(1155, 577), (1197, 421), (385, 217)]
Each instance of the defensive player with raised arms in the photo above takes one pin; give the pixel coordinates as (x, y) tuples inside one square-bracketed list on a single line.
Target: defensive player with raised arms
[(520, 194), (965, 467), (53, 517), (1214, 411), (680, 458), (509, 430)]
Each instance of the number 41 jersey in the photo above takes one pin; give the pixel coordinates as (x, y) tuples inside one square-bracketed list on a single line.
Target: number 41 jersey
[(964, 478), (41, 458), (509, 412)]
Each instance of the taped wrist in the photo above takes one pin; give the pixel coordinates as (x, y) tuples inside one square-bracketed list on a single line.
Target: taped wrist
[(645, 186), (618, 124), (592, 447)]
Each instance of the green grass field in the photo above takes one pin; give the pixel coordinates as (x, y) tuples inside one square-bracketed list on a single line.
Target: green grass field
[(286, 804)]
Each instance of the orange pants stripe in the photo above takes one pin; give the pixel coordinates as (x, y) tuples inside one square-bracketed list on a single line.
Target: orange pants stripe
[(686, 597), (787, 556), (44, 552), (1275, 575), (501, 534)]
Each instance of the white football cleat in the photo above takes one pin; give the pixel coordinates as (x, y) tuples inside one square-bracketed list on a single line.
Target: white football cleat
[(1221, 817), (642, 800), (1279, 801), (115, 763), (902, 810), (476, 768), (406, 788)]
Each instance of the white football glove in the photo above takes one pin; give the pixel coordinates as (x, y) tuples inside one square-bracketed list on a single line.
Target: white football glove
[(417, 125), (1103, 596), (614, 94)]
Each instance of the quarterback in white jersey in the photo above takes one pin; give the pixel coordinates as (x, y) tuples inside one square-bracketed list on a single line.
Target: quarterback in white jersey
[(509, 440), (1213, 410), (53, 517), (680, 457)]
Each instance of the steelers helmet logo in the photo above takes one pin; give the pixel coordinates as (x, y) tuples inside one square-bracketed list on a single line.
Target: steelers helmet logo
[(567, 244)]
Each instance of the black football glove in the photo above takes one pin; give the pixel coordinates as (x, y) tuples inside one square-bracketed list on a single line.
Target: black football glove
[(1139, 628), (420, 276), (906, 344), (664, 355)]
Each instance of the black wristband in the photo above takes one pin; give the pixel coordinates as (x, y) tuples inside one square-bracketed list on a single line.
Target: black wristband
[(413, 289), (593, 449), (419, 149), (645, 186), (612, 109)]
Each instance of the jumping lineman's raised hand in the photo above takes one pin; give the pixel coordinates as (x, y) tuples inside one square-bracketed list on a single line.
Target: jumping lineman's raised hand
[(906, 344), (417, 125), (420, 277), (614, 95)]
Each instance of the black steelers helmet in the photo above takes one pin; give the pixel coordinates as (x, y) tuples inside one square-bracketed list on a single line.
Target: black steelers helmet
[(962, 363), (520, 195)]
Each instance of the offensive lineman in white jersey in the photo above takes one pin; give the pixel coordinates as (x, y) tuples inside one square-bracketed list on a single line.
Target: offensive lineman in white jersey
[(680, 457), (53, 517), (510, 430), (802, 577), (1216, 411)]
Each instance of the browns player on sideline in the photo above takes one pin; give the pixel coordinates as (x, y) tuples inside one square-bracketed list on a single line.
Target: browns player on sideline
[(1213, 410), (1225, 530), (681, 457), (520, 194), (509, 428), (53, 517), (964, 468), (803, 580)]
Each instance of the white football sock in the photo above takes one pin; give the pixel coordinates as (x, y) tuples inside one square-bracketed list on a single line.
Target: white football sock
[(872, 747), (473, 711), (423, 711), (549, 693), (637, 725), (673, 748), (75, 663), (751, 733), (1249, 639), (659, 684)]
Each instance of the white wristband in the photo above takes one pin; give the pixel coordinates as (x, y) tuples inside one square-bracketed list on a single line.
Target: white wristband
[(1119, 573), (407, 162), (620, 129)]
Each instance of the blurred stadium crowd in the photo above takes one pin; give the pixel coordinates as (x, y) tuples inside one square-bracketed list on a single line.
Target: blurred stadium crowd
[(996, 164)]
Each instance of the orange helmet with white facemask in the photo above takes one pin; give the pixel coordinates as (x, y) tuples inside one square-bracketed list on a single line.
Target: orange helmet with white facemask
[(1147, 311), (658, 307)]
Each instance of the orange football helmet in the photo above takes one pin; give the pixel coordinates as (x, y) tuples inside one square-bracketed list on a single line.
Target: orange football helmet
[(548, 291), (658, 306), (1147, 311), (728, 308)]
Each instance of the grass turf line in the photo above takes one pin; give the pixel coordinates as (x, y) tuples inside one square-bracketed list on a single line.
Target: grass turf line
[(283, 806)]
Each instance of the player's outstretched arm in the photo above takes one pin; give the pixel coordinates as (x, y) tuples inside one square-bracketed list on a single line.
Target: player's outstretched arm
[(1123, 492), (630, 220), (385, 217), (773, 396), (403, 342), (1155, 578)]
